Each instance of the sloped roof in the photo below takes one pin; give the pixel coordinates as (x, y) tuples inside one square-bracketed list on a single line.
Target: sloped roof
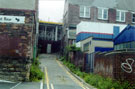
[(119, 4), (127, 35)]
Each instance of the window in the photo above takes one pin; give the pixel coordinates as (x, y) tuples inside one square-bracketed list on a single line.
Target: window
[(103, 13), (86, 47), (84, 11), (120, 16), (124, 45), (132, 44), (127, 45), (133, 17)]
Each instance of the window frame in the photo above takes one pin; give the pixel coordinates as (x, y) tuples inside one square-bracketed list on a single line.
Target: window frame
[(102, 11), (120, 15), (84, 11), (86, 47), (133, 17)]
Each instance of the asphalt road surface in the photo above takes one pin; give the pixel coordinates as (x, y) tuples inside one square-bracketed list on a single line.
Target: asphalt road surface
[(20, 85), (56, 76)]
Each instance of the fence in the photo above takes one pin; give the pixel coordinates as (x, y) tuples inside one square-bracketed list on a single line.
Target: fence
[(77, 58), (119, 65), (89, 62)]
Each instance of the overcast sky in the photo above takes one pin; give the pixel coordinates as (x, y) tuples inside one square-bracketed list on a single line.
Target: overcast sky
[(51, 10)]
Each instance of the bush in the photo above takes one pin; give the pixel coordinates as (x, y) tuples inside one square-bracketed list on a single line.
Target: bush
[(72, 48), (97, 80), (35, 72)]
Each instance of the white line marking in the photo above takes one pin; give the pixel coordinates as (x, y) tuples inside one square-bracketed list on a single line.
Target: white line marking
[(41, 85), (16, 85), (52, 86), (6, 81)]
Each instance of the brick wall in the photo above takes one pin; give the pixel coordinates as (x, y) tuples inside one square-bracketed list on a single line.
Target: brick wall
[(73, 14), (16, 46), (119, 65), (112, 15), (128, 17), (74, 18)]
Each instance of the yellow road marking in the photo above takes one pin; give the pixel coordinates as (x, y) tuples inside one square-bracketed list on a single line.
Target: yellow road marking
[(47, 79), (71, 76)]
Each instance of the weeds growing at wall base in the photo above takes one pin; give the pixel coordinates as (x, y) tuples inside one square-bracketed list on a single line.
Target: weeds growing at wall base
[(35, 72), (96, 80)]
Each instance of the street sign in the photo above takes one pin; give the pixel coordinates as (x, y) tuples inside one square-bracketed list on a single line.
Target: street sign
[(12, 19)]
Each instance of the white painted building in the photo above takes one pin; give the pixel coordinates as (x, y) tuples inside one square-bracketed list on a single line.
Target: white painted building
[(97, 36), (98, 27)]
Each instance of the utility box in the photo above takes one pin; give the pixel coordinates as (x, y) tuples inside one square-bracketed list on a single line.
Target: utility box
[(18, 23)]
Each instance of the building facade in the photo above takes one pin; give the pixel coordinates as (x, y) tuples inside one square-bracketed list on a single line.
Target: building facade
[(50, 37), (18, 33), (101, 11)]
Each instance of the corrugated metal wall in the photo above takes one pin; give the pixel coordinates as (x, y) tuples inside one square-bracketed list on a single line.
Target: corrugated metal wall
[(83, 36), (127, 35)]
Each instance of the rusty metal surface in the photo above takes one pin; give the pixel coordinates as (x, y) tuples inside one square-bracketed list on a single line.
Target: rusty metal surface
[(9, 46)]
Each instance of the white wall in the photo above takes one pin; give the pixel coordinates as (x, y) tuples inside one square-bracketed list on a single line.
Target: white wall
[(98, 27), (18, 4)]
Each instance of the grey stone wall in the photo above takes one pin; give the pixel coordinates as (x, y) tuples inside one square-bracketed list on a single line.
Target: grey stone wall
[(16, 46)]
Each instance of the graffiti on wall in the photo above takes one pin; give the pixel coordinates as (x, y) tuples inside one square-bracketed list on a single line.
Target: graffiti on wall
[(127, 66)]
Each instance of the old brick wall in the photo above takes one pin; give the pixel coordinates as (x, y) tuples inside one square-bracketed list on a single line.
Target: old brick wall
[(119, 65), (16, 46), (124, 66), (112, 15), (74, 17)]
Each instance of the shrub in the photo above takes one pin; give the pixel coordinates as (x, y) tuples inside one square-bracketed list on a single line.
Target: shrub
[(71, 48), (35, 72)]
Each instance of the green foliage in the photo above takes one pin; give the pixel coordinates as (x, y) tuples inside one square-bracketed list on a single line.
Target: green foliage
[(63, 58), (98, 81), (72, 48), (35, 72)]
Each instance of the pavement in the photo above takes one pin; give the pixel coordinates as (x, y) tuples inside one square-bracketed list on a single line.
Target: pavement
[(56, 76)]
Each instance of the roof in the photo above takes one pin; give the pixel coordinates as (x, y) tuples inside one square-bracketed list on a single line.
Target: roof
[(119, 4), (19, 4), (127, 35), (50, 22)]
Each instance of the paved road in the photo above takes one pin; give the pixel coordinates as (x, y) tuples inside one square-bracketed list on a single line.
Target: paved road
[(20, 85), (57, 77)]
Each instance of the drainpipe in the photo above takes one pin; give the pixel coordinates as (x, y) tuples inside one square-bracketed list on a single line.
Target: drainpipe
[(36, 39)]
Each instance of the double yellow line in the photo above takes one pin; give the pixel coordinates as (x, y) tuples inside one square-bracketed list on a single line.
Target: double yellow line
[(47, 79), (71, 76)]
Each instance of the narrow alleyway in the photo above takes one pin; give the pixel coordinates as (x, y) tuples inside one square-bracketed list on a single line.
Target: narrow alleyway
[(56, 76)]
